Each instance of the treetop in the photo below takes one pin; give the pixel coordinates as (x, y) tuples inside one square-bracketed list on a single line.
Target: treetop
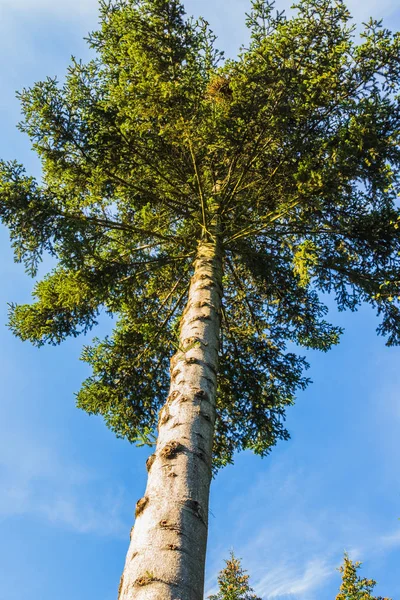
[(287, 155)]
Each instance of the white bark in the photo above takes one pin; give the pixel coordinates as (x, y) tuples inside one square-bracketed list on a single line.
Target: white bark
[(166, 557)]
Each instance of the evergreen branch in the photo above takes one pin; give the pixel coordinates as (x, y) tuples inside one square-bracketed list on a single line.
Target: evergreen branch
[(241, 146), (164, 323), (119, 179), (157, 171), (109, 224), (200, 187), (274, 217), (246, 299), (253, 157), (233, 337), (164, 260), (299, 231)]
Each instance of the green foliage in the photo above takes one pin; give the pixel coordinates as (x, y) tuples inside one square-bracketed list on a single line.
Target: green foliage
[(304, 258), (233, 582), (288, 155), (354, 587)]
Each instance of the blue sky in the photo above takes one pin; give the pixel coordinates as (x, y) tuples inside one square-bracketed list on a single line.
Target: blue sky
[(68, 487)]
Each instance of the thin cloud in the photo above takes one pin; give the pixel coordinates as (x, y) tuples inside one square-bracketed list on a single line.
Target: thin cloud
[(388, 542), (292, 581), (36, 482)]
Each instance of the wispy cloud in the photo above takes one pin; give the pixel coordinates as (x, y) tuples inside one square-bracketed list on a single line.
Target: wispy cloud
[(295, 581), (38, 483), (390, 541)]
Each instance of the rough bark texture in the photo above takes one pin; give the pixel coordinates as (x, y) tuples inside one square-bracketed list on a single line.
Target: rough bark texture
[(166, 557)]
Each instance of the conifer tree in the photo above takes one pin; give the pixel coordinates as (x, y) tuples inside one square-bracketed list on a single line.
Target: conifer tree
[(354, 587), (233, 582), (207, 205)]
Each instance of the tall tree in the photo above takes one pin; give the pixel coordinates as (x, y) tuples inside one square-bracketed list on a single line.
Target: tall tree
[(233, 582), (354, 587), (207, 204)]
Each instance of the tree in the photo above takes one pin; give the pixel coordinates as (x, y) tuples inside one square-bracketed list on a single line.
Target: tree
[(207, 204), (354, 587), (233, 582)]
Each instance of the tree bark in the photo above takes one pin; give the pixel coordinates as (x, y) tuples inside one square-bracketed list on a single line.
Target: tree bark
[(166, 556)]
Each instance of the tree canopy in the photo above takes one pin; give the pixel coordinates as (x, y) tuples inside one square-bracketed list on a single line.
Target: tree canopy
[(288, 155)]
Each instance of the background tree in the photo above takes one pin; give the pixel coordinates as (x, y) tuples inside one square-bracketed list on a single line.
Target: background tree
[(207, 205), (233, 582), (354, 587)]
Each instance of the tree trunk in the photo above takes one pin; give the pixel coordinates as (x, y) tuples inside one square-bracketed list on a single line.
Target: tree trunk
[(166, 557)]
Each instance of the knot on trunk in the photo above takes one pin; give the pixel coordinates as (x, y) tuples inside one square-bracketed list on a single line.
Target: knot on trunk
[(209, 285), (193, 505), (195, 508), (201, 455), (206, 417), (191, 342), (164, 416), (145, 579), (149, 461), (165, 524), (174, 361), (121, 583), (204, 304), (211, 367), (202, 318), (173, 396), (141, 505), (175, 373), (172, 547), (171, 449), (201, 277), (193, 361), (202, 395)]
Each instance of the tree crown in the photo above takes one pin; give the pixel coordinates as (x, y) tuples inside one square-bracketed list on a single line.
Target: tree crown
[(288, 155)]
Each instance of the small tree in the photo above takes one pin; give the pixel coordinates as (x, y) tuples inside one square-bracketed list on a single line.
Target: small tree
[(233, 582), (354, 587)]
